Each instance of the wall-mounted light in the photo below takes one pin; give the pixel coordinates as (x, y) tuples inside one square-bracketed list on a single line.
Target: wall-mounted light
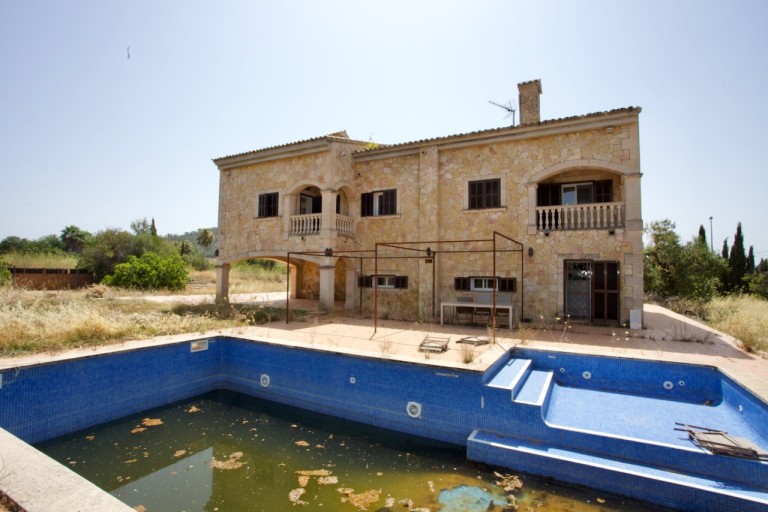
[(328, 251), (530, 252), (429, 252)]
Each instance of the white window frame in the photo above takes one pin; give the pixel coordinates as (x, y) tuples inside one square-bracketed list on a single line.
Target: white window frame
[(485, 284), (574, 189), (387, 280)]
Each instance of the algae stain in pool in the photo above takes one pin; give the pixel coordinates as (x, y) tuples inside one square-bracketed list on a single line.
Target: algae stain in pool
[(229, 452)]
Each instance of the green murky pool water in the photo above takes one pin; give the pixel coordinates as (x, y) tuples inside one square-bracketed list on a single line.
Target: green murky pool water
[(229, 452)]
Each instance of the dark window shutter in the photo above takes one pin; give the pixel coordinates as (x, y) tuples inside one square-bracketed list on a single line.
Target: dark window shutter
[(604, 191), (508, 284), (401, 281), (388, 202), (317, 204), (338, 204), (461, 283), (548, 194), (366, 204), (365, 281)]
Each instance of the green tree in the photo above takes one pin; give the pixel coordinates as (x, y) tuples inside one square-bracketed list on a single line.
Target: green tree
[(737, 261), (142, 225), (153, 228), (150, 272), (702, 238), (724, 253), (751, 260), (15, 244), (104, 250), (5, 274), (205, 238), (74, 239), (185, 247), (661, 256)]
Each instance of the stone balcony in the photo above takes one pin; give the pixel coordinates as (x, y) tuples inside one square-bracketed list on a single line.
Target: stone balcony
[(580, 216), (312, 224)]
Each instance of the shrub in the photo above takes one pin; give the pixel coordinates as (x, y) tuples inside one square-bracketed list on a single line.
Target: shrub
[(150, 271), (5, 274)]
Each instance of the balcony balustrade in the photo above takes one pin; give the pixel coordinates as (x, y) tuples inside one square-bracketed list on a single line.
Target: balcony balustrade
[(310, 224), (580, 216)]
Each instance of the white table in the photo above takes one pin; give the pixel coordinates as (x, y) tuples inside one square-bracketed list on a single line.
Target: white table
[(512, 308)]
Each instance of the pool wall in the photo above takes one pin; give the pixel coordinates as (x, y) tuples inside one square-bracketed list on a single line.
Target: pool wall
[(49, 400)]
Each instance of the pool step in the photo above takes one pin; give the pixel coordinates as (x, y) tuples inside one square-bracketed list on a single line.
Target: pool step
[(534, 390), (632, 479), (511, 375)]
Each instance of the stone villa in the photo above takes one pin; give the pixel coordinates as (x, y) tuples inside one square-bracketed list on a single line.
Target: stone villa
[(545, 215)]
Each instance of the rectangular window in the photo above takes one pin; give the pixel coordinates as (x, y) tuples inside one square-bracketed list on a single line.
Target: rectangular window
[(374, 204), (383, 281), (484, 194), (577, 193), (484, 284), (268, 205)]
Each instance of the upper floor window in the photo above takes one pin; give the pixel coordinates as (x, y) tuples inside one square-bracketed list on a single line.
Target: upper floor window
[(484, 194), (268, 204), (552, 194), (374, 204)]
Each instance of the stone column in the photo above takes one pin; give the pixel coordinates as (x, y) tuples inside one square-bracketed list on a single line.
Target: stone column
[(328, 284), (222, 282), (429, 229), (351, 302), (328, 224), (532, 193)]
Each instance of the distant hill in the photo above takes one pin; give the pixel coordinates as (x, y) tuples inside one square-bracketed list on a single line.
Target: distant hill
[(191, 237)]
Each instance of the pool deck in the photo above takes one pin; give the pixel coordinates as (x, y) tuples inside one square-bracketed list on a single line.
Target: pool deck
[(666, 337)]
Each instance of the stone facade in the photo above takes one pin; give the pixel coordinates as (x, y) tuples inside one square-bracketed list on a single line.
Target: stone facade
[(560, 201)]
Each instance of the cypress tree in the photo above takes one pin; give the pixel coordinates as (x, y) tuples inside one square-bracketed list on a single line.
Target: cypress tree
[(702, 238), (724, 252), (751, 261), (738, 261)]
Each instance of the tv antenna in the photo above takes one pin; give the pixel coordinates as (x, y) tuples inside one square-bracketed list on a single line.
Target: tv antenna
[(509, 107)]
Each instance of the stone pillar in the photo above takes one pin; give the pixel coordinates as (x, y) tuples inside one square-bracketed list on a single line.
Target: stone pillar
[(429, 228), (328, 224), (351, 302), (289, 201), (328, 285), (532, 193), (222, 282)]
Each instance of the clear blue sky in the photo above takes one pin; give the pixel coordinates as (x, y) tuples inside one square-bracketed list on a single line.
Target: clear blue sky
[(91, 137)]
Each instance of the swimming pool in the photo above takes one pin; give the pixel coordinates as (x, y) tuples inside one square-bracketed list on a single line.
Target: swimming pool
[(599, 421)]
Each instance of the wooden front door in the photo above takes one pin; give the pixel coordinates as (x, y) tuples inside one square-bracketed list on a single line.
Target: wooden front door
[(605, 291)]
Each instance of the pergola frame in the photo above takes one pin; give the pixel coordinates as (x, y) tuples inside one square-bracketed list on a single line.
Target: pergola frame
[(427, 252)]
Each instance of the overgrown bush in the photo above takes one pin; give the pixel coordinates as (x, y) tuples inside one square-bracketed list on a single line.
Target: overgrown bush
[(197, 261), (150, 271), (5, 274)]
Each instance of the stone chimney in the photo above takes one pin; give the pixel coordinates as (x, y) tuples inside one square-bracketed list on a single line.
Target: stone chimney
[(530, 112)]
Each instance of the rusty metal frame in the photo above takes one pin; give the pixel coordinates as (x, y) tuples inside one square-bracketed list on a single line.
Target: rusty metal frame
[(427, 252)]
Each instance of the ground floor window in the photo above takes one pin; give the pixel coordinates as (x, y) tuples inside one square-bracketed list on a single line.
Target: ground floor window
[(383, 281)]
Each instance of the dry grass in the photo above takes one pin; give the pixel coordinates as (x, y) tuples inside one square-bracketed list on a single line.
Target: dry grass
[(33, 322), (743, 317), (22, 260)]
